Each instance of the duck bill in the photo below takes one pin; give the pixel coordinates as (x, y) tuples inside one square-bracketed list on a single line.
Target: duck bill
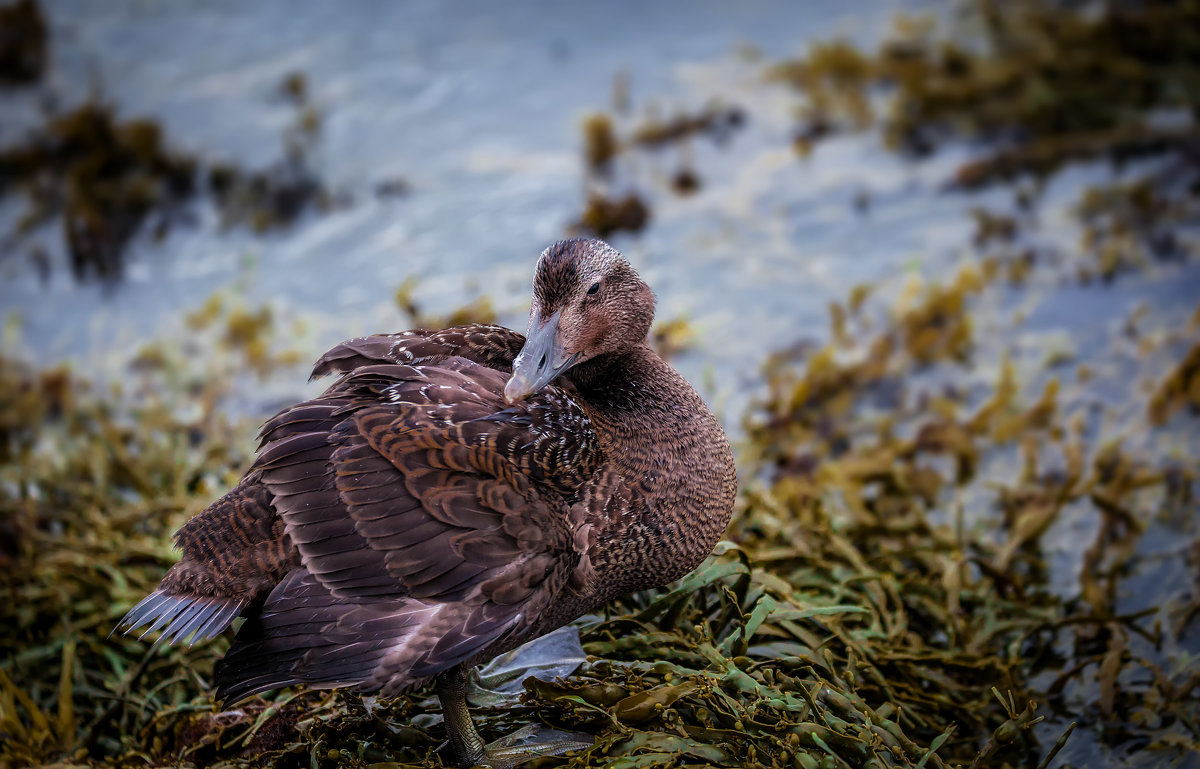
[(540, 360)]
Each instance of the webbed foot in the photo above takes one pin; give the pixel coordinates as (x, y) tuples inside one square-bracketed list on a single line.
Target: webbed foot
[(525, 744), (464, 747)]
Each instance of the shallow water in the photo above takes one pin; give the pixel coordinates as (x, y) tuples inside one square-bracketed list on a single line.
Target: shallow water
[(478, 112), (477, 108)]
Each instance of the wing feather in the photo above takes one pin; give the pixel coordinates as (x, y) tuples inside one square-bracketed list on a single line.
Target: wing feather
[(431, 519)]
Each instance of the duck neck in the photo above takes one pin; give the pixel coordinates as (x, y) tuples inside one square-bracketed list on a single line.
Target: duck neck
[(668, 447), (627, 383)]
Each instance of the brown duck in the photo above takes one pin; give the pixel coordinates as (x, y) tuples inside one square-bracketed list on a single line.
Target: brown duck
[(454, 494)]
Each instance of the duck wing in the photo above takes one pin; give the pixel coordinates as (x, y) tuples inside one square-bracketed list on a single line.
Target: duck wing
[(430, 521), (487, 344)]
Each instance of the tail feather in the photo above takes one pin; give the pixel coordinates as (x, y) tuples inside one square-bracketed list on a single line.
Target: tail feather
[(145, 610), (234, 553), (219, 621), (176, 618)]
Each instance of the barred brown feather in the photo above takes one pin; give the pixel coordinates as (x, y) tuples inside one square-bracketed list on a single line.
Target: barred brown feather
[(408, 520)]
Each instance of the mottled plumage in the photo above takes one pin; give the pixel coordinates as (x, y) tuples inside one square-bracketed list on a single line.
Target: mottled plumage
[(411, 520)]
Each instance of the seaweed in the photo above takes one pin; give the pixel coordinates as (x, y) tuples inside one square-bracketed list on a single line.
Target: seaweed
[(603, 216), (105, 177), (109, 179), (1179, 389), (1034, 86), (1046, 82), (607, 211), (90, 497), (715, 121), (600, 144), (1128, 226), (850, 620), (244, 338), (672, 336), (478, 311), (23, 43), (858, 439), (280, 194)]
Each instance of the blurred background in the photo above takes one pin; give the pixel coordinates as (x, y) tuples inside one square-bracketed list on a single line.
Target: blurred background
[(933, 264)]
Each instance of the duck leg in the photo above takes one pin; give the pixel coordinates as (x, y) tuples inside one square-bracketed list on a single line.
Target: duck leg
[(466, 748)]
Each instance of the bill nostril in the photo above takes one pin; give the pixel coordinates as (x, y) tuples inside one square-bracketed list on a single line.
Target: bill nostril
[(542, 363)]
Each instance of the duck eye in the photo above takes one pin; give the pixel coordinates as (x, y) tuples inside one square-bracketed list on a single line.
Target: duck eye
[(595, 287)]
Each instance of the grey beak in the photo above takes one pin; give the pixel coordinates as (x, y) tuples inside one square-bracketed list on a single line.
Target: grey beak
[(540, 360)]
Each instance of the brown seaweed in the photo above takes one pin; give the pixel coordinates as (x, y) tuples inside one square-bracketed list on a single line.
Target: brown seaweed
[(848, 620), (108, 179), (23, 43), (606, 212), (603, 216)]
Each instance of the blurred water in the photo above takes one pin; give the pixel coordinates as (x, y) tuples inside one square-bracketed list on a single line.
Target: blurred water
[(477, 108)]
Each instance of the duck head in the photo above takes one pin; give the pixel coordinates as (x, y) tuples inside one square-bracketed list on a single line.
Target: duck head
[(588, 302)]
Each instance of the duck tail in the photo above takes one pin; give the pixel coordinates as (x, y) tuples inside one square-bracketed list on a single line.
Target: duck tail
[(180, 618), (234, 553)]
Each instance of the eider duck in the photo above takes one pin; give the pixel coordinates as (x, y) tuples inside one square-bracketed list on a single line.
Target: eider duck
[(454, 494)]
